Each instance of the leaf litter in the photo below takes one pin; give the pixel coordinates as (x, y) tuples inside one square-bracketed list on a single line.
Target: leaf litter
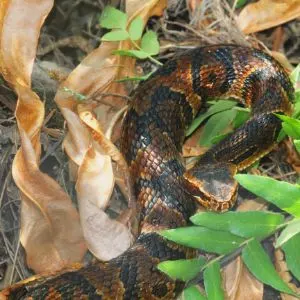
[(210, 22)]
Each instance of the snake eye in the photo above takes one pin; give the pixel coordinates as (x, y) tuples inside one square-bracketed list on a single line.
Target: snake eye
[(213, 185)]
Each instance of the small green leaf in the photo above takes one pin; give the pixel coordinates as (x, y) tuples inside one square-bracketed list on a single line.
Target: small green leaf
[(212, 282), (112, 18), (218, 106), (150, 43), (136, 28), (193, 293), (283, 194), (290, 125), (134, 53), (116, 35), (288, 232), (297, 145), (209, 240), (183, 269), (244, 223), (292, 255), (216, 125), (260, 265)]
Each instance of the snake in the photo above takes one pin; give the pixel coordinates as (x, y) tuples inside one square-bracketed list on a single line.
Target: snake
[(161, 110)]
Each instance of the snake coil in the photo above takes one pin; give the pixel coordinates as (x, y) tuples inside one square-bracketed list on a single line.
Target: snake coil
[(153, 133)]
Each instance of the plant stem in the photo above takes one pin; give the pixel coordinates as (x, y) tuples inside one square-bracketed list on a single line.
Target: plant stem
[(148, 55)]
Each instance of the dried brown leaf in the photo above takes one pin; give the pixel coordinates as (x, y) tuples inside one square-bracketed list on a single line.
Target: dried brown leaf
[(191, 146), (50, 228), (106, 238), (239, 283), (86, 143), (292, 157), (282, 269), (265, 14)]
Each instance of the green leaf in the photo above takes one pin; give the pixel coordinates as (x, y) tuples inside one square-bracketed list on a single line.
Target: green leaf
[(297, 145), (113, 18), (193, 293), (150, 43), (209, 240), (183, 269), (295, 75), (136, 28), (241, 117), (290, 125), (281, 135), (296, 113), (216, 125), (283, 194), (240, 3), (288, 232), (116, 35), (134, 53), (218, 138), (292, 255), (212, 282), (260, 265), (219, 106), (244, 223)]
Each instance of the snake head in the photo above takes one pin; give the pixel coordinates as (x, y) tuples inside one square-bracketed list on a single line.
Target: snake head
[(213, 185)]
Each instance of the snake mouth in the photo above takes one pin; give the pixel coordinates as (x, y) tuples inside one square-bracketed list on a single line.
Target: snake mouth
[(218, 205), (213, 185)]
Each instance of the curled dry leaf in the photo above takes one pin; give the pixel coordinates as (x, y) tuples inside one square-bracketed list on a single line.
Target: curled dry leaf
[(86, 143), (239, 283), (50, 228), (265, 14), (106, 238)]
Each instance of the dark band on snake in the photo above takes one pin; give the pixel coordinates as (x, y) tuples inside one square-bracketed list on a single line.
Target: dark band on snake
[(153, 134)]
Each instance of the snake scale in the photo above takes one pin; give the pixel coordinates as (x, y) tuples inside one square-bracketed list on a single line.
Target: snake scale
[(162, 108)]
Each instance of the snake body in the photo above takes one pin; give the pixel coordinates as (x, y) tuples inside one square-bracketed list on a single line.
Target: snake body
[(153, 133)]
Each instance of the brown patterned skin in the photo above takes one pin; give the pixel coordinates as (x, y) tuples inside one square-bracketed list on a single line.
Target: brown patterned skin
[(153, 134)]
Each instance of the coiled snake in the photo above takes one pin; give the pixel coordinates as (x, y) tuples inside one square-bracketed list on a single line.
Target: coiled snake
[(153, 134)]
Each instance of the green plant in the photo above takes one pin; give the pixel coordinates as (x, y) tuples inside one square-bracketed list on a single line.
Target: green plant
[(242, 232), (234, 233), (116, 20)]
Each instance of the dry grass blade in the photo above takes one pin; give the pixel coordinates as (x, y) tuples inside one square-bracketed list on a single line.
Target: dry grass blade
[(50, 229)]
